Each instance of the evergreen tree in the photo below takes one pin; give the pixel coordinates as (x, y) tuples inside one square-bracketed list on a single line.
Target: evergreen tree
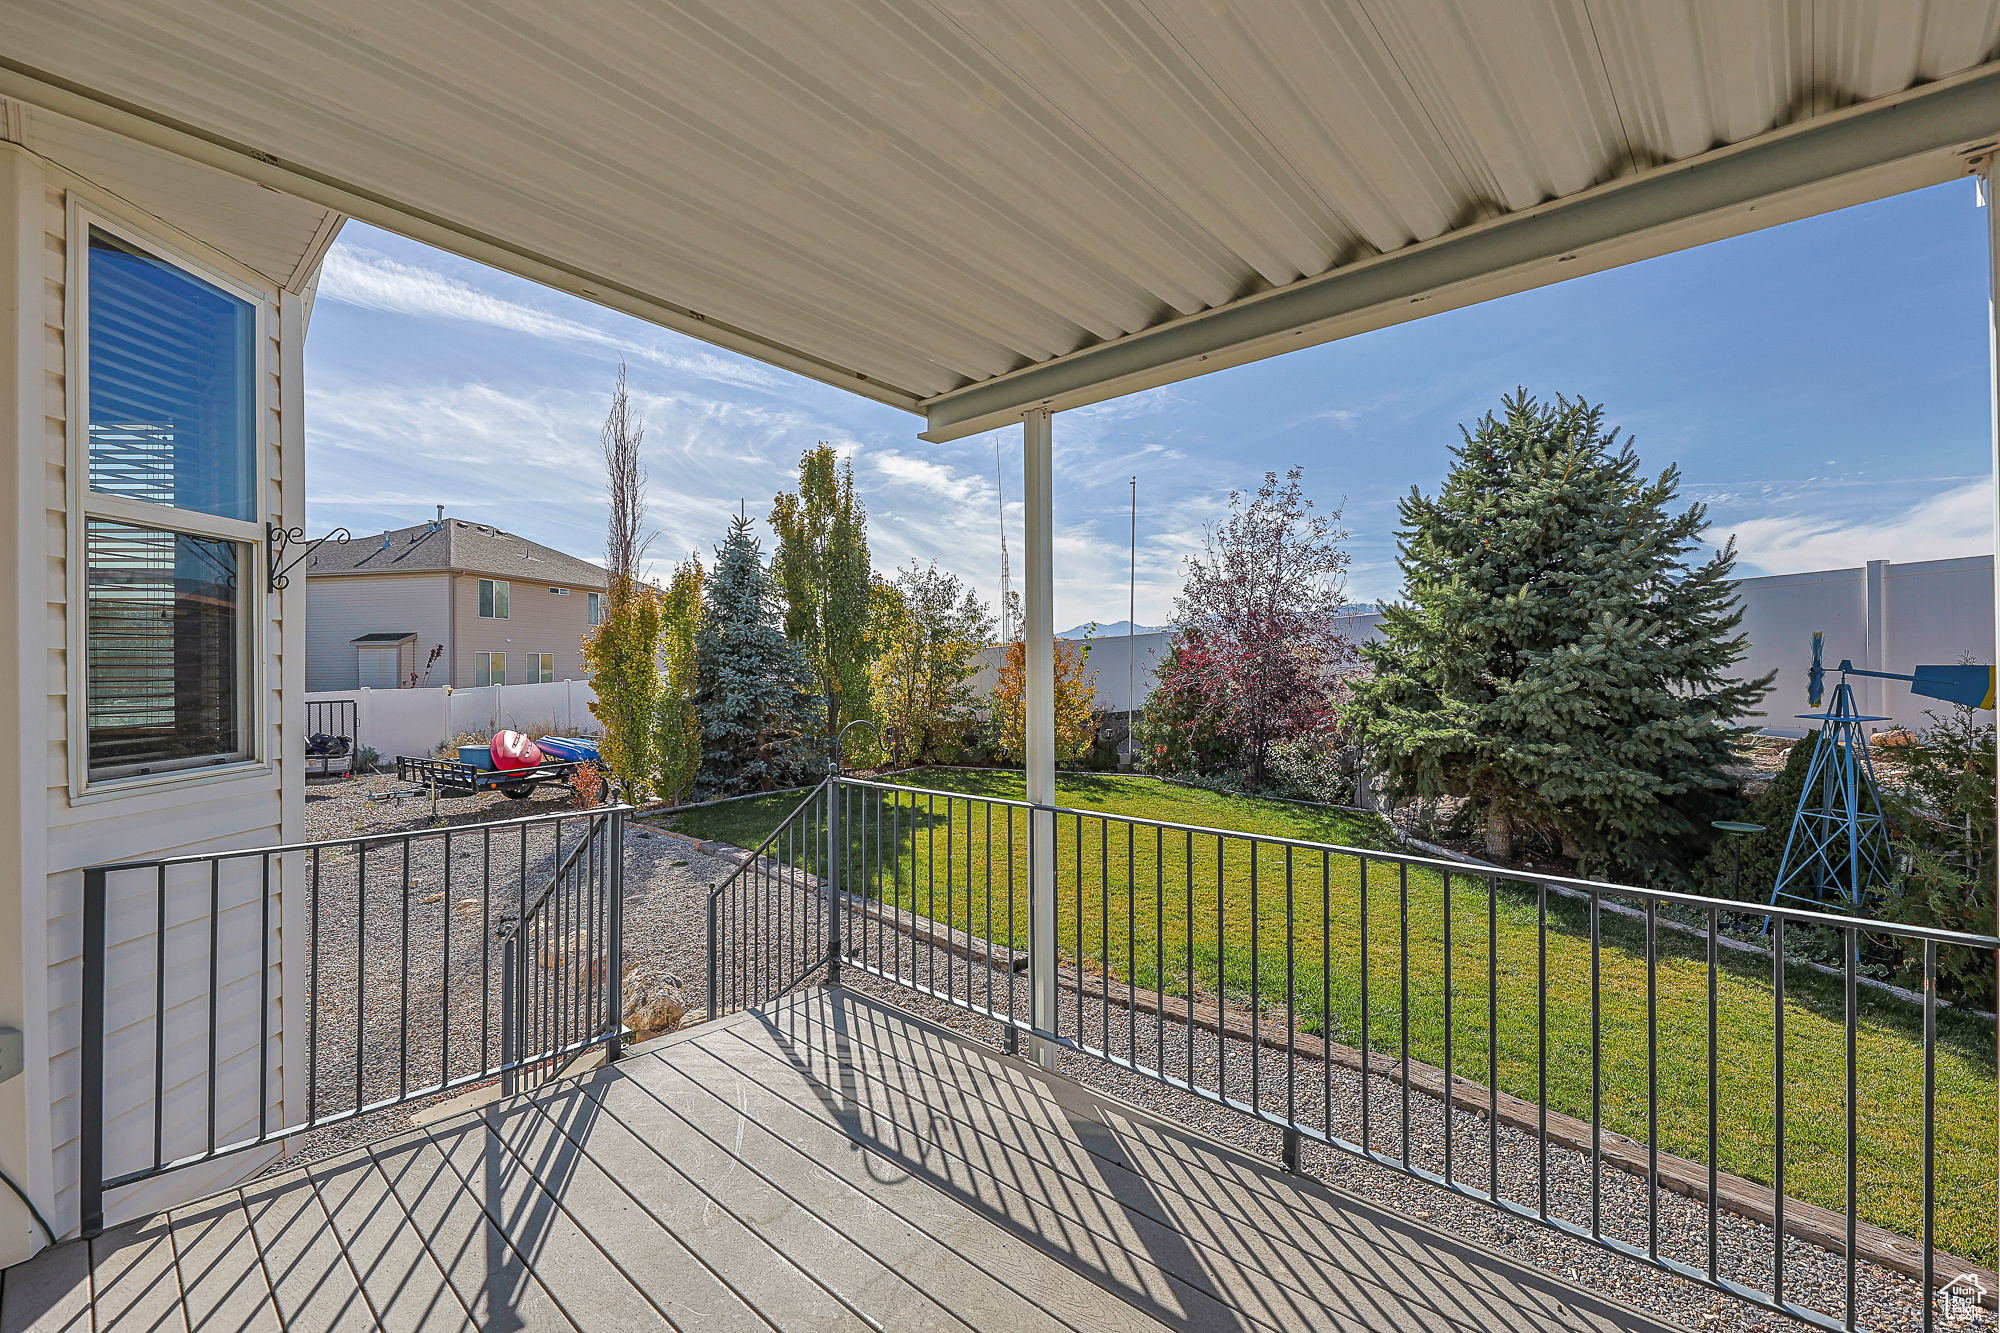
[(821, 569), (676, 729), (752, 715), (1557, 662)]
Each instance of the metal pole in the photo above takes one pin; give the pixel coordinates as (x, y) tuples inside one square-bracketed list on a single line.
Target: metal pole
[(1037, 465), (1987, 174), (835, 844), (90, 1185), (509, 1035), (614, 871), (1132, 628)]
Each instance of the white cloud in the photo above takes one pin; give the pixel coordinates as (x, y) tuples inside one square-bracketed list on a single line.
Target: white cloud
[(1958, 522), (361, 277)]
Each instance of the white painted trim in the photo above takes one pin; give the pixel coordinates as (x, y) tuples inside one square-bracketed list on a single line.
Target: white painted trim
[(84, 208), (25, 1141)]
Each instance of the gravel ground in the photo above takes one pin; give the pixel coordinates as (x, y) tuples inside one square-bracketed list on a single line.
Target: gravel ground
[(453, 967), (453, 971)]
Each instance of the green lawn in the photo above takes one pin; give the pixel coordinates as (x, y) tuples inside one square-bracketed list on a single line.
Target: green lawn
[(943, 853)]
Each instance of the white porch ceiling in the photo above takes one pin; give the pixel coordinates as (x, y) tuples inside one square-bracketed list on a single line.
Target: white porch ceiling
[(966, 206)]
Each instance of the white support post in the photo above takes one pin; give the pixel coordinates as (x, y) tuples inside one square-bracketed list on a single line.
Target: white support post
[(1038, 494), (1989, 172)]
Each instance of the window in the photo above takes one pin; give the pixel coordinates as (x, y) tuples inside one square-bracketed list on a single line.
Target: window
[(169, 502), (490, 668), (594, 612), (547, 664), (493, 599), (560, 592), (172, 416)]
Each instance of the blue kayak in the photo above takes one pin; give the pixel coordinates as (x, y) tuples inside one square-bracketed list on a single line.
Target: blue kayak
[(569, 747)]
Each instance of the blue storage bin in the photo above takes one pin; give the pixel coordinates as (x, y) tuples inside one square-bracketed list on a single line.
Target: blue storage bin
[(479, 756)]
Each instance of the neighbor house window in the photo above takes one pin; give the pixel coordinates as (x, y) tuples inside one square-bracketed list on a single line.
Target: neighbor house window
[(493, 599), (594, 612), (560, 592), (489, 668), (169, 509), (544, 666)]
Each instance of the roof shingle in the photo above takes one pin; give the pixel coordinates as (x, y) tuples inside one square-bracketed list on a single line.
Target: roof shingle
[(457, 547)]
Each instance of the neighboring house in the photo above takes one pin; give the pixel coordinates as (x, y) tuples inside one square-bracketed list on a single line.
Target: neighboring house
[(503, 610)]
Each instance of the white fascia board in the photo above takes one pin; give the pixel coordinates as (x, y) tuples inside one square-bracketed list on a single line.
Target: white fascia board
[(1922, 137), (38, 88)]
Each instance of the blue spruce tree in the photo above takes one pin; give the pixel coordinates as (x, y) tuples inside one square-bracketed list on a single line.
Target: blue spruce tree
[(754, 719)]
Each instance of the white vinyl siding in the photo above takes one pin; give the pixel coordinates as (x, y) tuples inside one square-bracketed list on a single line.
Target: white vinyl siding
[(342, 608), (240, 805)]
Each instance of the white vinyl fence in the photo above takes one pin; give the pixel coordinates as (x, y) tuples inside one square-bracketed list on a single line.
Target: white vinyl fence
[(416, 722)]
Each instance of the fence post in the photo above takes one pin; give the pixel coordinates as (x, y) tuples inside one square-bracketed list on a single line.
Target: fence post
[(713, 894), (509, 1024), (90, 1185), (615, 963), (835, 844)]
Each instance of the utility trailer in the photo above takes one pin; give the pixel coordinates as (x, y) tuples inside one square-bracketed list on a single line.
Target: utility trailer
[(449, 777)]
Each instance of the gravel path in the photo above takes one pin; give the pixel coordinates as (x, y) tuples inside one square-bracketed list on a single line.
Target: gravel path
[(665, 932)]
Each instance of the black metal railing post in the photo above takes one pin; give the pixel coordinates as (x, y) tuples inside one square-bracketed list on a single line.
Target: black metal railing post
[(835, 845), (510, 1035), (91, 1192), (614, 969), (714, 958)]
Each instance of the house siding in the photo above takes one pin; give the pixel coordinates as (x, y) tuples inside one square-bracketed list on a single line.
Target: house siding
[(538, 621), (60, 832), (342, 609)]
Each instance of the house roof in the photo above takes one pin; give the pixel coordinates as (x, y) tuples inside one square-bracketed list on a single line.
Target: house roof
[(384, 638), (973, 208), (458, 547)]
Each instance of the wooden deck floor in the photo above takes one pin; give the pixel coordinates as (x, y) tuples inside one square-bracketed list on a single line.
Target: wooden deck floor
[(829, 1163)]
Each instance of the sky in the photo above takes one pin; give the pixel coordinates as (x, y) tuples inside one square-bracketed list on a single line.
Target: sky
[(1822, 386)]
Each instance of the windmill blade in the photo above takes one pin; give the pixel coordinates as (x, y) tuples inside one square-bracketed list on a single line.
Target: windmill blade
[(1966, 686)]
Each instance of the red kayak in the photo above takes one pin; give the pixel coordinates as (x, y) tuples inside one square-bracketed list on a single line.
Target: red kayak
[(512, 750)]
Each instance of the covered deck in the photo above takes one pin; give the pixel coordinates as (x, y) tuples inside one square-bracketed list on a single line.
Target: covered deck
[(827, 1161)]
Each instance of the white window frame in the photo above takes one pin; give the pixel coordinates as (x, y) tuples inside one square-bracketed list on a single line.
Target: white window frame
[(593, 610), (84, 504), (487, 669), (496, 585), (544, 675)]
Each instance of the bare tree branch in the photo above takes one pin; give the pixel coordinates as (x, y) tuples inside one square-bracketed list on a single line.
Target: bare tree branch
[(625, 541)]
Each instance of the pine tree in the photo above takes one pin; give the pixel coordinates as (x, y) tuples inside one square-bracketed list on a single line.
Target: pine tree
[(1557, 662), (753, 717), (821, 568)]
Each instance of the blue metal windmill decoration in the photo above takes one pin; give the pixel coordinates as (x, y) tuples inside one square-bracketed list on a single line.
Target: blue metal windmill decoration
[(1839, 842)]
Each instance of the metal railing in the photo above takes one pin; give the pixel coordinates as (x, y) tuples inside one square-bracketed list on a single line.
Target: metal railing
[(1325, 991), (770, 924), (426, 962)]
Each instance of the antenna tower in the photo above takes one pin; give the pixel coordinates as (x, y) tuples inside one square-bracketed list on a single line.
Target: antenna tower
[(1006, 581)]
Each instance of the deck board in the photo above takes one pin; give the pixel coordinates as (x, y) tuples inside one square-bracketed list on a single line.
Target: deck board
[(1333, 1253), (223, 1286), (1120, 1212), (311, 1280), (488, 1276), (558, 1251), (830, 1162)]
